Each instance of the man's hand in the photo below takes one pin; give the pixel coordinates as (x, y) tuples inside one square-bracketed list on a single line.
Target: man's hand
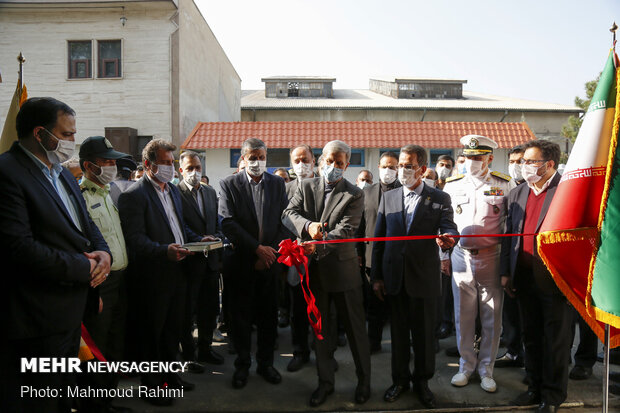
[(260, 265), (208, 238), (445, 267), (379, 288), (266, 254), (507, 286), (445, 241), (100, 271), (176, 252), (308, 248), (315, 230)]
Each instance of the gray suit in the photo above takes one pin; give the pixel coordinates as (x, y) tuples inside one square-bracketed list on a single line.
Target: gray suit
[(334, 270)]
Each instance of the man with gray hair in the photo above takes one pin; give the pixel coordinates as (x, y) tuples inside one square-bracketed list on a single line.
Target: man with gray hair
[(331, 207), (251, 203)]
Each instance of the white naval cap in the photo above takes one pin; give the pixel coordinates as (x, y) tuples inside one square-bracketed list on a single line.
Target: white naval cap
[(477, 145)]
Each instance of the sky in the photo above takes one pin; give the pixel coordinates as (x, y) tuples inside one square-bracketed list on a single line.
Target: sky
[(544, 50)]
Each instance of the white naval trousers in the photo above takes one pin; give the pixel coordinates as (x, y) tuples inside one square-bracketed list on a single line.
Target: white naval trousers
[(477, 290)]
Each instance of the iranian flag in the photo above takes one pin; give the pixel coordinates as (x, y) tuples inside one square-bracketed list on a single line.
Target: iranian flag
[(577, 237)]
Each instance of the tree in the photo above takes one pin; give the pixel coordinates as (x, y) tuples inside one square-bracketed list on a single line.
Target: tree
[(571, 128)]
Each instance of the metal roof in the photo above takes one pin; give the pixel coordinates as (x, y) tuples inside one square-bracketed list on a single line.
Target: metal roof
[(366, 99)]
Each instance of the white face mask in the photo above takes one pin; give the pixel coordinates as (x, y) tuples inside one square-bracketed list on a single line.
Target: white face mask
[(303, 170), (164, 173), (191, 178), (514, 169), (256, 168), (63, 152), (387, 175), (406, 177), (443, 172), (107, 174), (474, 168), (362, 184), (429, 182), (530, 173)]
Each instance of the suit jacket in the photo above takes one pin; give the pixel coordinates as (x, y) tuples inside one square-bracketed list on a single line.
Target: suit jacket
[(45, 273), (339, 270), (207, 224), (412, 263), (372, 198), (148, 233), (511, 246), (240, 223)]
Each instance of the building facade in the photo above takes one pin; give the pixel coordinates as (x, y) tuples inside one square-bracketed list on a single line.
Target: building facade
[(132, 70)]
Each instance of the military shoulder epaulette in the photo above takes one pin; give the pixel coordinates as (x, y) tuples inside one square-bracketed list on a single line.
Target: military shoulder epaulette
[(455, 178), (502, 176)]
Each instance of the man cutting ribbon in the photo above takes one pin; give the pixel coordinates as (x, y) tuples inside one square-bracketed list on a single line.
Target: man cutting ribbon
[(333, 267)]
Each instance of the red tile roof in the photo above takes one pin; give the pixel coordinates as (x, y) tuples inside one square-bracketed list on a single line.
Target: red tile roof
[(358, 134)]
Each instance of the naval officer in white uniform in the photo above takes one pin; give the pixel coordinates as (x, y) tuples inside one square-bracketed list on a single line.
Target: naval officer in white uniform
[(479, 202)]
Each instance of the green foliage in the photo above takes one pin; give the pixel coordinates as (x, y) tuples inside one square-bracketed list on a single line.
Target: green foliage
[(571, 128)]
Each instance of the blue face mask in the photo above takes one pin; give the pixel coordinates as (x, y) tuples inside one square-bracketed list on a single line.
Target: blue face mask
[(175, 181), (462, 170), (332, 174)]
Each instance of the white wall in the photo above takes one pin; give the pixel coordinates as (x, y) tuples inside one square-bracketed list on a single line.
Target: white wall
[(141, 99)]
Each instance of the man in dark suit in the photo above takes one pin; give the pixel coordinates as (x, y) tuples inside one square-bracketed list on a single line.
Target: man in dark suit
[(152, 218), (251, 203), (409, 273), (377, 312), (51, 252), (545, 313), (203, 295), (302, 162), (331, 206)]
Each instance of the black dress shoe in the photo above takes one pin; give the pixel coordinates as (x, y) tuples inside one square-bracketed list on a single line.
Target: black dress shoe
[(545, 407), (176, 382), (393, 393), (580, 372), (443, 332), (509, 360), (320, 395), (269, 373), (527, 398), (297, 362), (209, 356), (195, 368), (362, 394), (240, 378), (425, 395)]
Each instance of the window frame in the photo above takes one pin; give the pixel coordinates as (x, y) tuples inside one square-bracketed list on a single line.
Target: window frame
[(101, 62), (71, 66)]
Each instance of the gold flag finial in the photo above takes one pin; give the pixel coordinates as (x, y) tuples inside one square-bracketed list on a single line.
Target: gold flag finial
[(613, 29)]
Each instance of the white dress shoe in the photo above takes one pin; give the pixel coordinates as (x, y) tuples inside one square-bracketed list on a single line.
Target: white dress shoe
[(460, 379), (488, 384)]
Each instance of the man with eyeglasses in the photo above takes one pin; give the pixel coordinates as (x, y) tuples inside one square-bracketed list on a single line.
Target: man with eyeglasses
[(479, 202), (406, 274), (545, 313)]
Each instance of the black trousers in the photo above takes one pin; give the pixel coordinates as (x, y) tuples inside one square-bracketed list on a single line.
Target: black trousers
[(299, 321), (350, 308), (412, 317), (377, 312), (511, 326), (64, 345), (587, 351), (254, 299), (202, 300), (546, 319), (445, 303), (162, 316)]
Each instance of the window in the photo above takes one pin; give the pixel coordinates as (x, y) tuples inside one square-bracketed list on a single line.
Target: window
[(109, 56), (293, 89), (436, 153), (357, 156), (80, 58)]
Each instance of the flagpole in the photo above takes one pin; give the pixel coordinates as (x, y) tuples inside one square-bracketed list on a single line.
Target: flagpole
[(21, 59), (606, 370)]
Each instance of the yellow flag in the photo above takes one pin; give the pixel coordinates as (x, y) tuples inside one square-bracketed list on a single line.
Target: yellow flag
[(9, 131)]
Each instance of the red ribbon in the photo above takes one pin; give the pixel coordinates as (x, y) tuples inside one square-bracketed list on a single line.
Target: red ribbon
[(292, 254)]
